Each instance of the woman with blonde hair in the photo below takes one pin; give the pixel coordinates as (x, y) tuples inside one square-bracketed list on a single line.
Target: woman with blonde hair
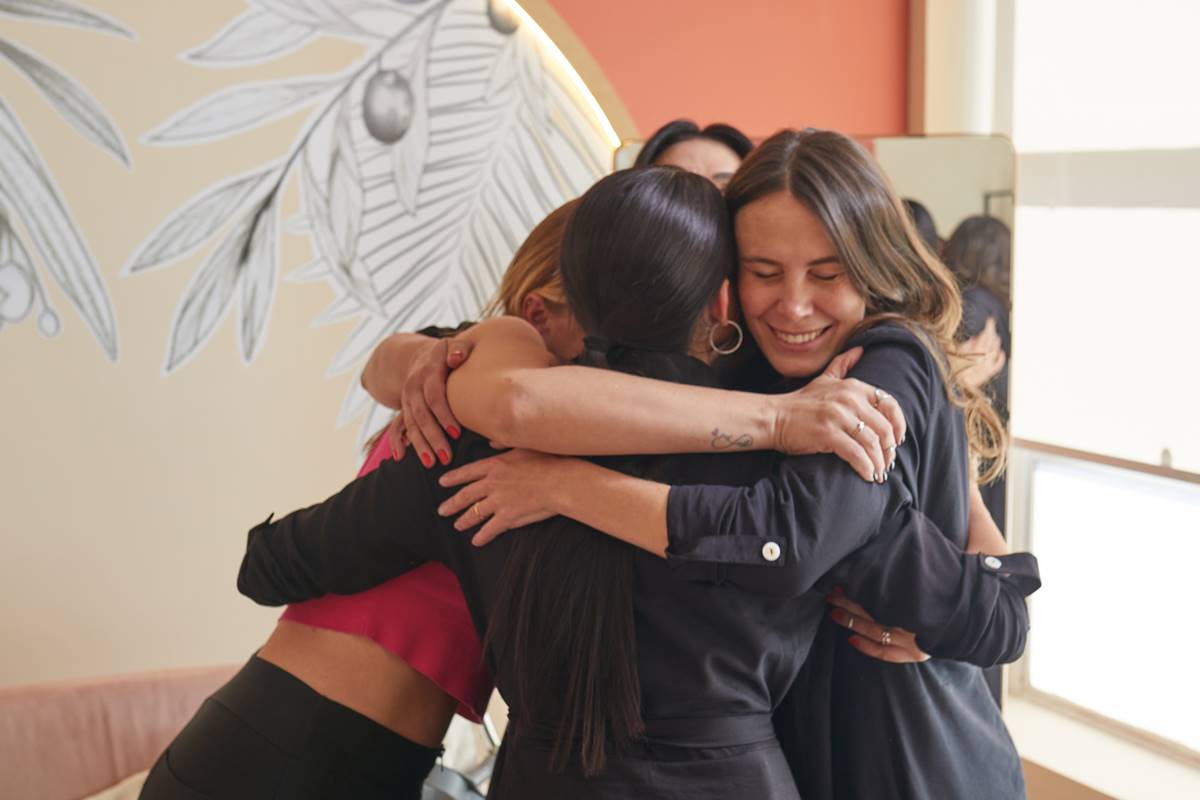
[(351, 696)]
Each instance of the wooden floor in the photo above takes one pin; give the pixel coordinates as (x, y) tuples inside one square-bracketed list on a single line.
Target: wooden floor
[(1042, 784)]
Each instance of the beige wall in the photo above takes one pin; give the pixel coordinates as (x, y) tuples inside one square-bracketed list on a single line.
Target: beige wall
[(126, 491), (126, 494)]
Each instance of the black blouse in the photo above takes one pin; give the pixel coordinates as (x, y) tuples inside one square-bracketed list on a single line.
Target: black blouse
[(854, 726), (714, 661)]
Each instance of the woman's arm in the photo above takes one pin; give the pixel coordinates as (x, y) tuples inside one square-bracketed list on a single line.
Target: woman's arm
[(384, 375), (504, 392), (375, 528)]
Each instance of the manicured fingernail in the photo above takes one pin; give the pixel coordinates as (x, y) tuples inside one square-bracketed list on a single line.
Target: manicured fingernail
[(454, 432), (443, 457), (838, 615), (855, 642), (874, 477), (442, 511), (427, 460), (456, 353)]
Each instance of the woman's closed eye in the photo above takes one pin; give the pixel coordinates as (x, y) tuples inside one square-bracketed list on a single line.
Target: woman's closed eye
[(826, 277)]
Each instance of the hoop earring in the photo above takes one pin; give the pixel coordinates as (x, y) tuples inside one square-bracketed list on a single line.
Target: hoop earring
[(727, 349)]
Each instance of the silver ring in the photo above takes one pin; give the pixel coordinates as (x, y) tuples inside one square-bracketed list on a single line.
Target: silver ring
[(880, 395), (858, 428), (885, 638), (850, 624)]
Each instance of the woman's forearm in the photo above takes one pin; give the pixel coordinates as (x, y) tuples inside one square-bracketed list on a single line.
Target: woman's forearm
[(574, 410), (624, 507), (383, 376)]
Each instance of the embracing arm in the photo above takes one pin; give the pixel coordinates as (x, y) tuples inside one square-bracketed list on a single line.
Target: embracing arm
[(504, 392), (384, 375), (375, 528)]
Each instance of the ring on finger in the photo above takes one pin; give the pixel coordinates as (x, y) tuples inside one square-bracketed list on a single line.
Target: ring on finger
[(885, 638), (880, 395), (858, 427), (476, 511), (850, 624)]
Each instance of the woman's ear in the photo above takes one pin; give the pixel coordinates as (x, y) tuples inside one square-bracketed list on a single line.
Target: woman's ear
[(533, 311), (721, 306)]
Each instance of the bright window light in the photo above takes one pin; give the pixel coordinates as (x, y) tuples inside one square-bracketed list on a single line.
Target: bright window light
[(1113, 625), (1105, 76), (1104, 311)]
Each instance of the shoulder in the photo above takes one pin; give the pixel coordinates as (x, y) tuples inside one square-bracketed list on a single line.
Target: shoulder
[(512, 328), (899, 361)]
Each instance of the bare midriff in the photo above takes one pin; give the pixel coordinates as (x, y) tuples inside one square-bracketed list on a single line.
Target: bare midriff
[(363, 676)]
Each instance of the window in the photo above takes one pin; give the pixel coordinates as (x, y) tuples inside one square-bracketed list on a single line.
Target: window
[(1120, 553), (1105, 481)]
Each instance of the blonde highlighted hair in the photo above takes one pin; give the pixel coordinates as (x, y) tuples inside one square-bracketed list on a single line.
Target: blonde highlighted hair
[(534, 267), (885, 258)]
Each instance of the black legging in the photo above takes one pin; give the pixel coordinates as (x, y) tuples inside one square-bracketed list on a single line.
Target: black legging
[(267, 734)]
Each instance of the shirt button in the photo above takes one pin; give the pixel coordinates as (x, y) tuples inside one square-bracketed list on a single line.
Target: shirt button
[(771, 551), (991, 562)]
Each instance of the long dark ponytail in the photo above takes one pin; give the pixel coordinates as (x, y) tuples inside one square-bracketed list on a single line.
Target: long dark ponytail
[(644, 253)]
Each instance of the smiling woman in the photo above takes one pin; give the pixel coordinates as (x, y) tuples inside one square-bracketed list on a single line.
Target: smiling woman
[(798, 301)]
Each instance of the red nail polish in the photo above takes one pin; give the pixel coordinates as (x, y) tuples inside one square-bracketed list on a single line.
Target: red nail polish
[(443, 457), (427, 460), (454, 432), (855, 642), (838, 615)]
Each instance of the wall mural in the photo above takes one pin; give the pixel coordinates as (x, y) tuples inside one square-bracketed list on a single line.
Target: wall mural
[(421, 168), (30, 196)]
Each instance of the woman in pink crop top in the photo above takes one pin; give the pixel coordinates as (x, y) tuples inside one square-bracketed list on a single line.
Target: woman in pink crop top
[(352, 694)]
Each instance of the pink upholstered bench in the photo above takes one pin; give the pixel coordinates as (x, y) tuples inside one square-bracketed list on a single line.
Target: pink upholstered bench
[(64, 741)]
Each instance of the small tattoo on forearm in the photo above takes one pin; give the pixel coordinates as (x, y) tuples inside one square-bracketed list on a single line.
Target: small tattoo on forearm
[(727, 441)]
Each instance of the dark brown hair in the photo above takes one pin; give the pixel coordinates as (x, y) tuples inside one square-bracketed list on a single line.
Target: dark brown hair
[(980, 254), (644, 253)]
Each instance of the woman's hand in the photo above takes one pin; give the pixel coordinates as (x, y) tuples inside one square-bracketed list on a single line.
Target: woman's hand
[(425, 416), (859, 423), (894, 645), (504, 492)]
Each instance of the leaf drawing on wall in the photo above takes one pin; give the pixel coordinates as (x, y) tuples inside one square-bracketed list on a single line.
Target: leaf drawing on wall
[(20, 288), (36, 212), (65, 13), (74, 104), (240, 109), (254, 36), (28, 192), (205, 214), (420, 171)]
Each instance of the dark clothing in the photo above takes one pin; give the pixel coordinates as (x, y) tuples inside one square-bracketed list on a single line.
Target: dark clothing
[(713, 661), (855, 727), (267, 734), (980, 305)]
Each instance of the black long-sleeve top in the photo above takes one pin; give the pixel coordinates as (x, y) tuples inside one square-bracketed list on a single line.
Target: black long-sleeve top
[(854, 726), (705, 648)]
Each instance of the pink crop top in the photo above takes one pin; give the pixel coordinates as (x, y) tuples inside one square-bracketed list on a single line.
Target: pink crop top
[(420, 616)]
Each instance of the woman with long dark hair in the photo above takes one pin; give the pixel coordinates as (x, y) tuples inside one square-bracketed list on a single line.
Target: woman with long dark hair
[(828, 259), (622, 680)]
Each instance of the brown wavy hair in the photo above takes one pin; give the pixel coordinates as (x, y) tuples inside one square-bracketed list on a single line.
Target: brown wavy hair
[(885, 257)]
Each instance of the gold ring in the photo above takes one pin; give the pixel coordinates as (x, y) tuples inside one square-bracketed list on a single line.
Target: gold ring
[(850, 624), (475, 508)]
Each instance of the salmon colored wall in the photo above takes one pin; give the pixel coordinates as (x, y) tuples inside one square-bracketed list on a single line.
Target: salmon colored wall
[(758, 64)]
